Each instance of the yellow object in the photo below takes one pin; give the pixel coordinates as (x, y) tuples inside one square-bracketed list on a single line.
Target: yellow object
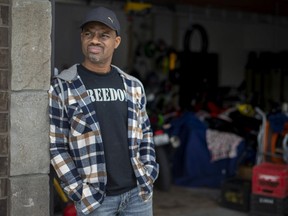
[(60, 191), (246, 109), (172, 62), (135, 6)]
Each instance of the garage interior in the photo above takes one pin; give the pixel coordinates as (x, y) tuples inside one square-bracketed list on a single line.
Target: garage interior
[(216, 80)]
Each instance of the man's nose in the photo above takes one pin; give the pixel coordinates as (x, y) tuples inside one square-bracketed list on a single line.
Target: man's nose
[(95, 36)]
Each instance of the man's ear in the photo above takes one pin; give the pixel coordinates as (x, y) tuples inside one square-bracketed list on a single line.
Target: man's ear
[(117, 41)]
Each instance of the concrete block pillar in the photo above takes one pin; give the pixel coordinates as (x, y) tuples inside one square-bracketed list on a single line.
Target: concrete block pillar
[(28, 71)]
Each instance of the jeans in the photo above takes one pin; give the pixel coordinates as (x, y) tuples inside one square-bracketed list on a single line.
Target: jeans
[(126, 204)]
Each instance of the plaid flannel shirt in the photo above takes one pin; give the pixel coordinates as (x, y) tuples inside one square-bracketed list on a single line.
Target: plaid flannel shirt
[(76, 147)]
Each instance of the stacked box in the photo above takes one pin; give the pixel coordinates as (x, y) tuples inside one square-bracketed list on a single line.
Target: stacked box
[(270, 180), (235, 194), (268, 206)]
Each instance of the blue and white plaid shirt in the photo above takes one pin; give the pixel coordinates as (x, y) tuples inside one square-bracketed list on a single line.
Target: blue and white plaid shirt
[(76, 147)]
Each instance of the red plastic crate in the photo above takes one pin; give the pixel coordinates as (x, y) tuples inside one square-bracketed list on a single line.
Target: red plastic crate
[(270, 180)]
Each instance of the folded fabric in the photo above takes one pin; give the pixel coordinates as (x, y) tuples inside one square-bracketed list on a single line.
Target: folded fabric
[(222, 144)]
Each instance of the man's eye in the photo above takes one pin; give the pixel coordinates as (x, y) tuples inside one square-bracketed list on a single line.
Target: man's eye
[(105, 35), (87, 34)]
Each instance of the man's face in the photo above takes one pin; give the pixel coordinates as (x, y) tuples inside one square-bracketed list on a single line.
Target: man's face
[(98, 43)]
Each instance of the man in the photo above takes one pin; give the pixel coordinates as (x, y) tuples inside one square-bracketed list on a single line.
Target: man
[(101, 142)]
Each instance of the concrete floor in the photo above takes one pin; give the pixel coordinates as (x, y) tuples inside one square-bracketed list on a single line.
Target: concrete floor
[(183, 201)]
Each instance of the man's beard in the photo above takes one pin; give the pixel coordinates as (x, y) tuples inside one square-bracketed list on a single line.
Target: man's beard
[(94, 58)]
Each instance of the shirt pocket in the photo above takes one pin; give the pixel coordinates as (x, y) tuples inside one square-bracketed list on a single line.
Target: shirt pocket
[(78, 122)]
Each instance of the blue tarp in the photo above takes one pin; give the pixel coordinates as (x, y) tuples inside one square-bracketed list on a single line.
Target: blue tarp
[(192, 164)]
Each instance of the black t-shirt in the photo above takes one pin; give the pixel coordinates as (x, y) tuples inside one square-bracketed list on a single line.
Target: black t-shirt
[(109, 100)]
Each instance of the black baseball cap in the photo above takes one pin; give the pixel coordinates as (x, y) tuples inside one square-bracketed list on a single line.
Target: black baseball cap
[(103, 15)]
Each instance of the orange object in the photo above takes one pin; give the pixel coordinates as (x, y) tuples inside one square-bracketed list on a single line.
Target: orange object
[(270, 144)]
